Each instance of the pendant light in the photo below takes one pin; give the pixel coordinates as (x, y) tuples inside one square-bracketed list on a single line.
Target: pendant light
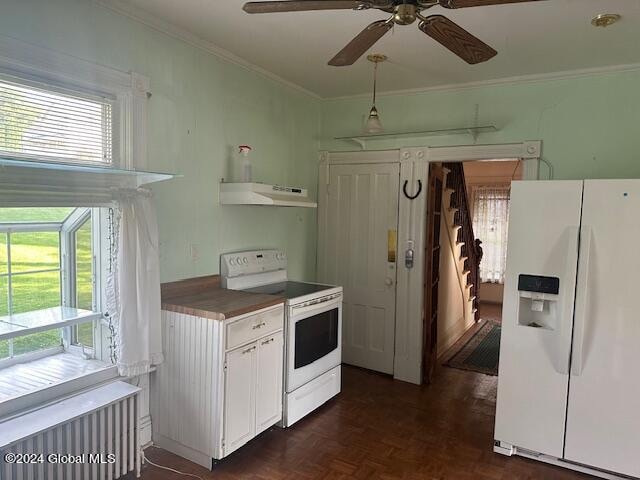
[(374, 125)]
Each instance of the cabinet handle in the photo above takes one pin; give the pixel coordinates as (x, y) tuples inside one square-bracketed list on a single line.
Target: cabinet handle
[(259, 325), (250, 349), (268, 341)]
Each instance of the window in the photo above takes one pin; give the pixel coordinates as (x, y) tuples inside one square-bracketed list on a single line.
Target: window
[(46, 260), (490, 225), (58, 109), (51, 124), (83, 284)]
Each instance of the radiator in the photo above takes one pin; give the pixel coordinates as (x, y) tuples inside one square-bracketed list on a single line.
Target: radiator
[(100, 445)]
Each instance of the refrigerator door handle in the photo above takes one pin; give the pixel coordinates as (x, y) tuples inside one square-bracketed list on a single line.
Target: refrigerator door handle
[(567, 302), (582, 300)]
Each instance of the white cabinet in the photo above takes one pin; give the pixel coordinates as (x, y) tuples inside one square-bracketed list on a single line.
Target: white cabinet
[(269, 382), (239, 397), (220, 384), (253, 390)]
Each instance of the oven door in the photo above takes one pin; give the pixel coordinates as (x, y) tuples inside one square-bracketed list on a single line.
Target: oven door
[(315, 341)]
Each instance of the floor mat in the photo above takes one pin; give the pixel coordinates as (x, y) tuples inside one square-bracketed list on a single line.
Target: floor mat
[(481, 352)]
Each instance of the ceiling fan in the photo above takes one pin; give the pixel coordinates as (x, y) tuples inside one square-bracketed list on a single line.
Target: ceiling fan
[(403, 12)]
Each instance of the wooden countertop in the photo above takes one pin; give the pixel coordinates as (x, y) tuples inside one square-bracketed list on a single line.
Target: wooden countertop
[(203, 297)]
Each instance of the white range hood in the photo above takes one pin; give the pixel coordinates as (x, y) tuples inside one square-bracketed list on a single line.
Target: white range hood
[(263, 194)]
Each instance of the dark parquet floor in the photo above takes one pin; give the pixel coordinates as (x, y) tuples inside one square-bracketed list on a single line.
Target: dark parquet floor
[(378, 428)]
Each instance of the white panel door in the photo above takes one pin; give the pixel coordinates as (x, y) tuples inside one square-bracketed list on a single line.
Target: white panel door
[(239, 397), (533, 377), (269, 381), (603, 424), (362, 215)]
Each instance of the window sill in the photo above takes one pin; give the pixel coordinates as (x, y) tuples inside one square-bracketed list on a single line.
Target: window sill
[(40, 320), (27, 385)]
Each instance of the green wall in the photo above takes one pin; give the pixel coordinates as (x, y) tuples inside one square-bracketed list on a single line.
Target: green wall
[(590, 126), (201, 108)]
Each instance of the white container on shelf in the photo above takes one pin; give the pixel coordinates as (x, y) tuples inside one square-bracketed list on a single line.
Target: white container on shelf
[(245, 150)]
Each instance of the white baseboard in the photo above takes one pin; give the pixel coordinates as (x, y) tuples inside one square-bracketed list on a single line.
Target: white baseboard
[(459, 329), (490, 302), (183, 451)]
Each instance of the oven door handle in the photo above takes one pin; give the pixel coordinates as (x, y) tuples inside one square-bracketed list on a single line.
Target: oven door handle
[(300, 310)]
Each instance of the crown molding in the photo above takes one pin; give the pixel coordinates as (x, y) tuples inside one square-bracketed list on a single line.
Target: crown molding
[(123, 8), (516, 80)]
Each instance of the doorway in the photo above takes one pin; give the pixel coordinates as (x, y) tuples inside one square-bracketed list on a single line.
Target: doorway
[(472, 243), (403, 279)]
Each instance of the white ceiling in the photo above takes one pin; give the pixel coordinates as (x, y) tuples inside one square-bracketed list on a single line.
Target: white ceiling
[(531, 38)]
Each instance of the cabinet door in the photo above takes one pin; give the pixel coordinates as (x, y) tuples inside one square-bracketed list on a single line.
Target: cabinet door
[(240, 397), (269, 381)]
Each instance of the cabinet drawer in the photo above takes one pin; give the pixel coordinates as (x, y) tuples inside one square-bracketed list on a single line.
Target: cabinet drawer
[(253, 327)]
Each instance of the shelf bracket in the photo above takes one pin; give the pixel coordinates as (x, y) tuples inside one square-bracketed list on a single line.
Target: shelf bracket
[(361, 142)]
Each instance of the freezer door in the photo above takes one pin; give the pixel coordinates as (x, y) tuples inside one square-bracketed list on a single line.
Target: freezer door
[(535, 345), (603, 424)]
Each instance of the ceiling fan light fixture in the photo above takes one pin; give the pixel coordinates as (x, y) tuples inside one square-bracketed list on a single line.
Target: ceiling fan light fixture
[(405, 14)]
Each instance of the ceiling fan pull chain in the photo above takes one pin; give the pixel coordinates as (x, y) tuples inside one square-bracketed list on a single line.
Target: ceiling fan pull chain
[(375, 81)]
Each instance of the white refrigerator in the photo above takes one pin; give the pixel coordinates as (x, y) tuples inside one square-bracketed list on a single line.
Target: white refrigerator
[(569, 375)]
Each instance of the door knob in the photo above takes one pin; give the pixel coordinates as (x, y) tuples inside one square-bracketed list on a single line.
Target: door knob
[(388, 281)]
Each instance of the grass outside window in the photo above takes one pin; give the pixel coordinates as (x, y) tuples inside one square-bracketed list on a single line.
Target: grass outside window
[(83, 333), (34, 274)]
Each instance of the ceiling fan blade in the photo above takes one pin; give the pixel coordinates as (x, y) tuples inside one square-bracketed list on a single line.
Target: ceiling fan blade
[(479, 3), (360, 44), (451, 35), (303, 5)]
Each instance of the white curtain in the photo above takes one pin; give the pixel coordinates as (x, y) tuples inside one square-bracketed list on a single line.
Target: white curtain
[(490, 225), (134, 285)]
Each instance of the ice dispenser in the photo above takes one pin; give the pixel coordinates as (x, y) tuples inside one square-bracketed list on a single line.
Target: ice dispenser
[(538, 301)]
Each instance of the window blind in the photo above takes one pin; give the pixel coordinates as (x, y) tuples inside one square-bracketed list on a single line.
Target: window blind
[(41, 124)]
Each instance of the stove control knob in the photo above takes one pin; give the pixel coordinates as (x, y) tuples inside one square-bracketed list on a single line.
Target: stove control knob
[(245, 260), (238, 260), (232, 262)]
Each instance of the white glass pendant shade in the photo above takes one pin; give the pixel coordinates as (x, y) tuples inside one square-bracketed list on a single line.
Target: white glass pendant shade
[(373, 125)]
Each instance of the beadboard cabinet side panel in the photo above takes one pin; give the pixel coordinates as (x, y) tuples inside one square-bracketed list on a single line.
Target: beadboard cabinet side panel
[(187, 385)]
